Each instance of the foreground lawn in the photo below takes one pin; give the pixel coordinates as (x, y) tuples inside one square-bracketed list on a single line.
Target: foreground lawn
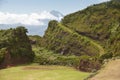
[(35, 72)]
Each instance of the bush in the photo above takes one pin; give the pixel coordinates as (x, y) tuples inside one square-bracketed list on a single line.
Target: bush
[(84, 63), (106, 56), (2, 52), (45, 57), (52, 59), (68, 60), (16, 43), (89, 64)]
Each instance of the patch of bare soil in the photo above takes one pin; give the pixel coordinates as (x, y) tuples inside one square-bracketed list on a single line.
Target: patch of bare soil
[(37, 68), (110, 72)]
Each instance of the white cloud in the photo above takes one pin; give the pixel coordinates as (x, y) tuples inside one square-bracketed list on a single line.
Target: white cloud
[(103, 0), (27, 19)]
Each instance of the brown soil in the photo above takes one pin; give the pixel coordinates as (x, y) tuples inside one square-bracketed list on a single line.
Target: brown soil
[(110, 72), (36, 68)]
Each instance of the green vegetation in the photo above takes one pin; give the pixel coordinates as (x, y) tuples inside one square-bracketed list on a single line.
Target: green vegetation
[(83, 39), (99, 22), (15, 47), (33, 72), (47, 57), (93, 32), (65, 41)]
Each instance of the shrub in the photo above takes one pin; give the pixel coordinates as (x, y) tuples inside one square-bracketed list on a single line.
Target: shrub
[(106, 56), (2, 52), (89, 64)]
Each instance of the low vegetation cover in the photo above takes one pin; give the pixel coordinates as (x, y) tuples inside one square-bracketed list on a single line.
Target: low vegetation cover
[(44, 56), (40, 72)]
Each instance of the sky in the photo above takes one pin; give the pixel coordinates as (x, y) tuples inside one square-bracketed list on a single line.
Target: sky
[(30, 6)]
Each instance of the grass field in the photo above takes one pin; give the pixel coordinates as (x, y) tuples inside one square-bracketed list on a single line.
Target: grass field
[(35, 72)]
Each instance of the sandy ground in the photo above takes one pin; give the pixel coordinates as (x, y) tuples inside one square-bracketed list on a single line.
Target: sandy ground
[(110, 72)]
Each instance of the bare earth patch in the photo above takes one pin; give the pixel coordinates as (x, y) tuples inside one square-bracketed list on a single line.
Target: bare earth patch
[(36, 68), (110, 72)]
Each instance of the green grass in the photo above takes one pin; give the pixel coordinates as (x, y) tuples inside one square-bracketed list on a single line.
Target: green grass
[(42, 73)]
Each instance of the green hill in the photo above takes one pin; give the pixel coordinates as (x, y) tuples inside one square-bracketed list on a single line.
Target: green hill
[(93, 34), (66, 41), (99, 22), (92, 31)]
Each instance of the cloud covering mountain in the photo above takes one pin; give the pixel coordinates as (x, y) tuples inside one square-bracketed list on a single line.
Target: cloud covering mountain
[(36, 23), (29, 19), (104, 0)]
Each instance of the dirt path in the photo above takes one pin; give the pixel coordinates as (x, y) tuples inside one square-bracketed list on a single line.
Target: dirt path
[(110, 72)]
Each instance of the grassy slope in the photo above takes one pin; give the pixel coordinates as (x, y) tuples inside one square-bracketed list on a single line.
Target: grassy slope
[(62, 39), (101, 50), (99, 22), (42, 73), (110, 72)]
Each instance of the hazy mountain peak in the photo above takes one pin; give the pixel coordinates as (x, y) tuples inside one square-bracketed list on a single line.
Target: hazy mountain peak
[(57, 14)]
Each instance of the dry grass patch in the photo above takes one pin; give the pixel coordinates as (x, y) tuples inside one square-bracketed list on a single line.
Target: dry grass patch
[(110, 72)]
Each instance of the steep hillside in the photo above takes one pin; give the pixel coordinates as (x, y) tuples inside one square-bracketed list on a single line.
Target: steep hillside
[(90, 35), (15, 47), (66, 41), (93, 31), (99, 22)]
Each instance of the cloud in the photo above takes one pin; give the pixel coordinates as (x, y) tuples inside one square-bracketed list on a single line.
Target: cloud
[(26, 19), (103, 0), (36, 23)]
